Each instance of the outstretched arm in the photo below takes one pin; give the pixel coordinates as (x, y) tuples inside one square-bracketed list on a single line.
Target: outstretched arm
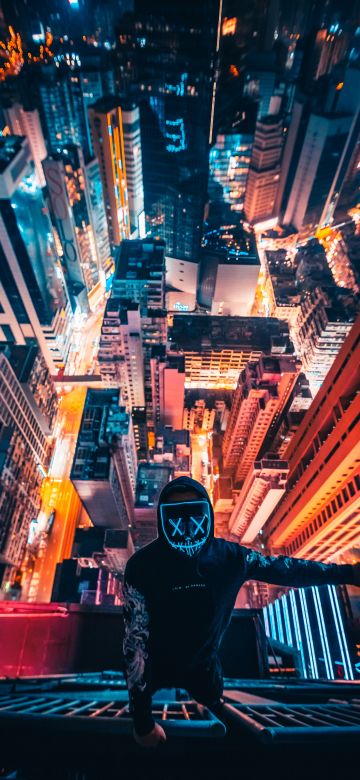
[(136, 656), (297, 572)]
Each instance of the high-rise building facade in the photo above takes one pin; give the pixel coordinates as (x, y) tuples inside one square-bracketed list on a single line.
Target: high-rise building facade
[(134, 171), (262, 490), (168, 380), (28, 404), (135, 315), (138, 414), (56, 108), (104, 467), (319, 166), (183, 210), (259, 399), (140, 273), (319, 515), (176, 112), (229, 168), (120, 355), (264, 172), (98, 218), (34, 300), (71, 213), (108, 143), (321, 151), (85, 89), (325, 319)]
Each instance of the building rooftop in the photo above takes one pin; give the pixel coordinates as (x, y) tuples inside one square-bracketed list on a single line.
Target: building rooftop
[(136, 260), (260, 334), (232, 245), (270, 120), (120, 308), (106, 104), (102, 421), (151, 479)]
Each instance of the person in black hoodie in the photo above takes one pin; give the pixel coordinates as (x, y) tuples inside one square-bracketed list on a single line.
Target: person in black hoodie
[(179, 593)]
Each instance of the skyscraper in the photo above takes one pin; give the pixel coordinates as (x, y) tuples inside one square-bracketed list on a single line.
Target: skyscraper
[(140, 273), (262, 490), (319, 515), (264, 172), (322, 147), (138, 285), (121, 356), (98, 218), (260, 397), (108, 143), (321, 150), (183, 210), (104, 466), (28, 404), (230, 158), (85, 89), (71, 213), (24, 121), (180, 42), (56, 108), (134, 172), (229, 271), (34, 300), (326, 318)]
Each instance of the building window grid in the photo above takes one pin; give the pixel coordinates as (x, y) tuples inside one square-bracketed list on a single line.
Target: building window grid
[(353, 486)]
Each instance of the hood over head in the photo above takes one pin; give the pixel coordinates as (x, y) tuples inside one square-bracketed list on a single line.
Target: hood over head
[(185, 528)]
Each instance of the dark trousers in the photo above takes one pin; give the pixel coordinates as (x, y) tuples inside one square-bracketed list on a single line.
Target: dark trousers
[(204, 683)]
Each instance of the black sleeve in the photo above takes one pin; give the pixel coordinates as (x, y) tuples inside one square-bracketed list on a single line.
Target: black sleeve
[(294, 572), (136, 656)]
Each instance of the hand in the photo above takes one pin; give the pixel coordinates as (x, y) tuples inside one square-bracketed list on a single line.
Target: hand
[(152, 739), (357, 574)]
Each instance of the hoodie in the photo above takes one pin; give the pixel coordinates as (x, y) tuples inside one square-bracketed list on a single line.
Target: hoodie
[(177, 607)]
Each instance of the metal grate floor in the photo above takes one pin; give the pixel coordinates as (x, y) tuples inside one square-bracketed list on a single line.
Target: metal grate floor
[(106, 714), (299, 722)]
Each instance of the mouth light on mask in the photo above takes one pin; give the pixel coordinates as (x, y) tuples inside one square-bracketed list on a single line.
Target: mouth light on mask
[(186, 525)]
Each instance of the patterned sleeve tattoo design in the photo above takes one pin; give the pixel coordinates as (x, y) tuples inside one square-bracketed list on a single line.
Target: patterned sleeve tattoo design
[(136, 634)]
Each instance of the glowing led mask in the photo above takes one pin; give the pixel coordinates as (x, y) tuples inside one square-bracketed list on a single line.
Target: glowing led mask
[(186, 525)]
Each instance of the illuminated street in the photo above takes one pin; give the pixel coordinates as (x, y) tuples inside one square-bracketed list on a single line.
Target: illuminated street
[(58, 494), (84, 347)]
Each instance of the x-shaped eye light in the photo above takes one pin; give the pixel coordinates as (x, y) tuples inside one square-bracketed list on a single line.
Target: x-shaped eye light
[(175, 524), (199, 524)]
